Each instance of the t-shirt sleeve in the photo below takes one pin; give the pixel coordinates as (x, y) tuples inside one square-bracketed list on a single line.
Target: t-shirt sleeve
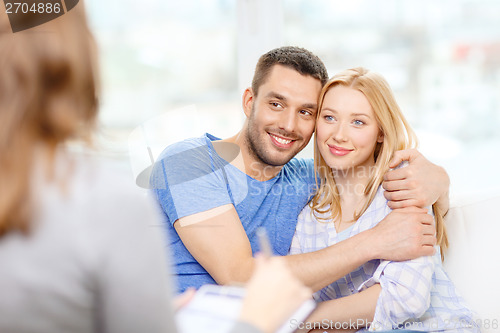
[(188, 179), (306, 172)]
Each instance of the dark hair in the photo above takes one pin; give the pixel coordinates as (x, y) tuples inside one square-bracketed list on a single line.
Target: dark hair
[(297, 58)]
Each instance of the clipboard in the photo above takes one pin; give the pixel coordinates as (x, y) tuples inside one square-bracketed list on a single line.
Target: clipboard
[(216, 309)]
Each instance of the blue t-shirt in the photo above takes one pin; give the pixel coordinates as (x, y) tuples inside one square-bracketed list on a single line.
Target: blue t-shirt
[(190, 177)]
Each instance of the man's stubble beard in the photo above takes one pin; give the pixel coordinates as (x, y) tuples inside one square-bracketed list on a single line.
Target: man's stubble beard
[(256, 145)]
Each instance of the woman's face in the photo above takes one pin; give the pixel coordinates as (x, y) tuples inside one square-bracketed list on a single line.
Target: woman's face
[(346, 130)]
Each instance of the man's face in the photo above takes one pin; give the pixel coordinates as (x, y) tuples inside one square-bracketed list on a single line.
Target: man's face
[(281, 118)]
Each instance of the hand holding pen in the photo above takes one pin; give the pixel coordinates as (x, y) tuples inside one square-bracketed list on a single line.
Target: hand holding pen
[(273, 293)]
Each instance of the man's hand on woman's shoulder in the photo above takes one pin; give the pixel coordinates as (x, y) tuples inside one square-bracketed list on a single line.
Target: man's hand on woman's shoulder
[(420, 183)]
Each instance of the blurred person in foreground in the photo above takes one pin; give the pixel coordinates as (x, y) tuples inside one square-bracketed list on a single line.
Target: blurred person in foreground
[(80, 247)]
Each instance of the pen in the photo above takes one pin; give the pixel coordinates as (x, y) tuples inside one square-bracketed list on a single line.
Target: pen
[(264, 244)]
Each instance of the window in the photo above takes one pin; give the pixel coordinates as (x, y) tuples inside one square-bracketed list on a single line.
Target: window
[(187, 63)]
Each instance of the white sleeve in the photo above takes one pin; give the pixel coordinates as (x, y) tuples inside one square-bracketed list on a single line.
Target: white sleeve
[(300, 231), (405, 291)]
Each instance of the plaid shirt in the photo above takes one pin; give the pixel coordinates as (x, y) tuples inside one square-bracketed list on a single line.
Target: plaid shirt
[(416, 294)]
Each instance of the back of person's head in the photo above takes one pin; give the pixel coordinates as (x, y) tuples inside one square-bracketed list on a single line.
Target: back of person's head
[(48, 95), (299, 59), (396, 130)]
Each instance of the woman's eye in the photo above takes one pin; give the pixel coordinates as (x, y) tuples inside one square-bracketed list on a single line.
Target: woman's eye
[(329, 118), (358, 122)]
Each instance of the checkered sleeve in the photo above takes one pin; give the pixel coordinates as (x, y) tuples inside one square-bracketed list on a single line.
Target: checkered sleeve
[(300, 232), (405, 287), (405, 293)]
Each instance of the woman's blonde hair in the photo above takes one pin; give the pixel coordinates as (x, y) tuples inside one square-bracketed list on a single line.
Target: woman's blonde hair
[(397, 134), (48, 94)]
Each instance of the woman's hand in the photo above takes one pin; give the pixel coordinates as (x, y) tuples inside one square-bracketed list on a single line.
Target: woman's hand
[(183, 299), (272, 295), (421, 183)]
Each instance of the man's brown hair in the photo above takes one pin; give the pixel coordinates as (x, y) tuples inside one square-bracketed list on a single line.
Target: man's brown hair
[(297, 58)]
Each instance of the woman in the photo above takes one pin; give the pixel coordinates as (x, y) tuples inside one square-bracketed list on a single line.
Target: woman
[(81, 250), (359, 128)]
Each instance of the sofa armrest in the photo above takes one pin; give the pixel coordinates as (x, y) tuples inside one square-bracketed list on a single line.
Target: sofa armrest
[(472, 262)]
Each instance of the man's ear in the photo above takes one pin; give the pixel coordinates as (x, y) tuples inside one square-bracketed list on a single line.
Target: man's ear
[(247, 101)]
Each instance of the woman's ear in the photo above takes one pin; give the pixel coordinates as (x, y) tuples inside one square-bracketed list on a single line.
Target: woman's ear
[(380, 137), (247, 101)]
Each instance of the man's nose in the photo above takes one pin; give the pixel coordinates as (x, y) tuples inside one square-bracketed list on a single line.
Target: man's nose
[(288, 121)]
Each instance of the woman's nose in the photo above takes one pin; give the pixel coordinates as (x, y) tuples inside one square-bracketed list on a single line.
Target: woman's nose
[(340, 134)]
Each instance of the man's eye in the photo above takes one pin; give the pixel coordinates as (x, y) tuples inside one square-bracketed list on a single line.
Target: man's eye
[(305, 112), (276, 104)]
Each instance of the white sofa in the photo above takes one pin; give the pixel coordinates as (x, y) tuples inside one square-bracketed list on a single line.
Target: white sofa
[(473, 227)]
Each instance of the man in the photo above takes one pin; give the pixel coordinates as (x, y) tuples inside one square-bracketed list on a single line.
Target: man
[(216, 193)]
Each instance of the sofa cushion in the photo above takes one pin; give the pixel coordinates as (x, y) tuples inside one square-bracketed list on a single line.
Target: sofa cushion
[(472, 259)]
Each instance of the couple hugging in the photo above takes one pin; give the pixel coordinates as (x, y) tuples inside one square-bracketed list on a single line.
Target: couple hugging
[(356, 225)]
